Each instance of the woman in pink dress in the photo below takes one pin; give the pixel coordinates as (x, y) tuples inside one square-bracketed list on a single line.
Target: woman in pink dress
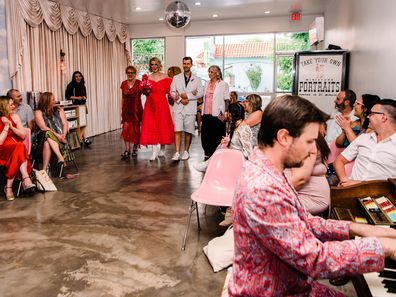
[(157, 124), (131, 114)]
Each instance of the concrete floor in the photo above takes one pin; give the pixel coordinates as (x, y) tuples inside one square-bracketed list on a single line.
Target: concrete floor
[(114, 230)]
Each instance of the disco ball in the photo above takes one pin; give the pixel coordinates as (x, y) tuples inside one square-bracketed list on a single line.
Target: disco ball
[(177, 14)]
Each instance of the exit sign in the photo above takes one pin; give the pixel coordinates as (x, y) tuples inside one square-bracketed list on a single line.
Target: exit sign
[(295, 16)]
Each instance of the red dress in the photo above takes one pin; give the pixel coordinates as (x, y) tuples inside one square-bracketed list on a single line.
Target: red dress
[(13, 152), (132, 109), (157, 124)]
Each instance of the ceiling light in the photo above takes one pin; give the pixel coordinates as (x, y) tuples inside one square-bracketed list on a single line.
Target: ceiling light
[(197, 3), (267, 12), (138, 8), (161, 19), (215, 16)]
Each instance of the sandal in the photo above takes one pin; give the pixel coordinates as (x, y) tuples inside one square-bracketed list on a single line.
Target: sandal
[(126, 155), (134, 153), (28, 189), (8, 197)]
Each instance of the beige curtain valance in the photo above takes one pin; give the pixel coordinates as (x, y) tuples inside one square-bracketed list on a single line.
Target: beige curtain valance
[(34, 12)]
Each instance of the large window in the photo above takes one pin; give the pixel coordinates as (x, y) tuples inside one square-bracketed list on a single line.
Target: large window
[(259, 63), (144, 49)]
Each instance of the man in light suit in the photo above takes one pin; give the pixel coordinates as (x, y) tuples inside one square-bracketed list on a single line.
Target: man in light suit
[(186, 88)]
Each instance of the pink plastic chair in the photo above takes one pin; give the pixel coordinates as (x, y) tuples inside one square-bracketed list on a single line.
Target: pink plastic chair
[(218, 185), (334, 152)]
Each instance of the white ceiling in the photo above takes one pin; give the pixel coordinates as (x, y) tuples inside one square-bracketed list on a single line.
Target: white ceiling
[(151, 10)]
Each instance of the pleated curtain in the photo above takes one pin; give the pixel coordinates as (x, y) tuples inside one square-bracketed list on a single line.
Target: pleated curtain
[(37, 30)]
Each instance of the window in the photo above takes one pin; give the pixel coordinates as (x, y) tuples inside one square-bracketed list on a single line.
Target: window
[(251, 63), (144, 49)]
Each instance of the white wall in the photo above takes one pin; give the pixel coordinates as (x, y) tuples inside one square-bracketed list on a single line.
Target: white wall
[(175, 44), (366, 28)]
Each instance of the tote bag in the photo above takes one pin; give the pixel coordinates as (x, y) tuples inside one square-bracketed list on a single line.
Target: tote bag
[(44, 182)]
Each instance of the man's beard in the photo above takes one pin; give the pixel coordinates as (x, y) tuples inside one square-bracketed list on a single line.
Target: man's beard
[(294, 164), (340, 107)]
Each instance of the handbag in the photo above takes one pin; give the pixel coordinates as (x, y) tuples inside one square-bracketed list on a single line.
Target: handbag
[(43, 181), (220, 250)]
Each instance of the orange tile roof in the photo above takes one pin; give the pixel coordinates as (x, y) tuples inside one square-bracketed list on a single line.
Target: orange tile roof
[(242, 50)]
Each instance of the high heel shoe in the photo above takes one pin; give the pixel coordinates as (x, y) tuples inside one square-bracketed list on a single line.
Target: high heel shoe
[(126, 155), (30, 188), (8, 197)]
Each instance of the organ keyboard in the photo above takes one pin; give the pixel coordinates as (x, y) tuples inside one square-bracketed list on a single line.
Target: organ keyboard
[(370, 284)]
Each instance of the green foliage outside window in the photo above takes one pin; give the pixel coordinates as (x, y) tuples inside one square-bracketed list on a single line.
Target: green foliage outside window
[(144, 49), (254, 73)]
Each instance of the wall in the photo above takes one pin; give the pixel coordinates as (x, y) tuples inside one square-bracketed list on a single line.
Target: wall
[(5, 82), (365, 27), (175, 43)]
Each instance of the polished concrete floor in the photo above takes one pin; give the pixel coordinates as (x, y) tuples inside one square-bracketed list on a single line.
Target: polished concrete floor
[(113, 230)]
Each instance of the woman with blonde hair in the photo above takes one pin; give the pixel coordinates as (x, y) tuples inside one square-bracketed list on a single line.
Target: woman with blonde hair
[(13, 153), (157, 125), (253, 108), (53, 127)]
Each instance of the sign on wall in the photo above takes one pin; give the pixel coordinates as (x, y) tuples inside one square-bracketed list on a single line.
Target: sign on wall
[(320, 75)]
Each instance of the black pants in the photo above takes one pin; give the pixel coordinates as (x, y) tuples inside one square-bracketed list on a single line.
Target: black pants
[(212, 132)]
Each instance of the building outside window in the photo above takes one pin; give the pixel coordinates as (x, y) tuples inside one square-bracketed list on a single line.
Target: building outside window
[(251, 63)]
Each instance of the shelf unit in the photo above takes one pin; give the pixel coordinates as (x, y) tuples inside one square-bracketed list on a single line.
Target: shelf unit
[(76, 118)]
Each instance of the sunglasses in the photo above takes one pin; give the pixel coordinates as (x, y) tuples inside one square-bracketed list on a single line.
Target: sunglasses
[(131, 72), (375, 112), (153, 64)]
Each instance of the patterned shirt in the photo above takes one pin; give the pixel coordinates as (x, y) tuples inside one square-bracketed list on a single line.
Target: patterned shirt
[(280, 249)]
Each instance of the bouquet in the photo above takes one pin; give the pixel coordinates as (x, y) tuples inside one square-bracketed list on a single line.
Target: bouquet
[(146, 85)]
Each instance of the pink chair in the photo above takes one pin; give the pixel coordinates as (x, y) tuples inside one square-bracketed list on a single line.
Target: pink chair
[(218, 185), (334, 152)]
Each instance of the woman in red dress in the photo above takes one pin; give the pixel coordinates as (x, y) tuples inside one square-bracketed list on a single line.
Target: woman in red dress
[(13, 153), (157, 124), (131, 115)]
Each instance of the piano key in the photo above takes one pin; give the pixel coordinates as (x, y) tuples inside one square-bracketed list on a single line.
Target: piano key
[(389, 263), (388, 274), (377, 288)]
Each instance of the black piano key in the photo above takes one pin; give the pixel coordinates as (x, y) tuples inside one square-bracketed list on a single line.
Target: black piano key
[(391, 290), (388, 274), (390, 263), (389, 286), (389, 282)]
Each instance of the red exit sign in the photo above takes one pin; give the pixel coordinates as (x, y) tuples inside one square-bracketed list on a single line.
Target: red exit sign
[(295, 16)]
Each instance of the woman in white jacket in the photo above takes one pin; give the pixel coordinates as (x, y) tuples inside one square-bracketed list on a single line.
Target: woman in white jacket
[(216, 98)]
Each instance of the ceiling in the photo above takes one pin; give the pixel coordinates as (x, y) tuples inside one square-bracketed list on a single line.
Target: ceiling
[(124, 11)]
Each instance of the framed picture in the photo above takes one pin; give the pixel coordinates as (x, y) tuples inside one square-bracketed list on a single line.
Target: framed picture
[(320, 75), (74, 142)]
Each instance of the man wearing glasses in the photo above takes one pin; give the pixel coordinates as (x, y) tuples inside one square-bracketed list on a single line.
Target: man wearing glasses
[(344, 106), (374, 153)]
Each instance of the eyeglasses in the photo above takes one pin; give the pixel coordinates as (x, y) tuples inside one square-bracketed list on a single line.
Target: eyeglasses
[(375, 112), (131, 72), (359, 103)]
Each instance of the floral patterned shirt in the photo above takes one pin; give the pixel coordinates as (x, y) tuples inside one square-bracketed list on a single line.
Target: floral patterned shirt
[(242, 140), (280, 249)]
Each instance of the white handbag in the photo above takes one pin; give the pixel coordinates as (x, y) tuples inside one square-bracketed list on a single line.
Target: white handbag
[(44, 182), (220, 250)]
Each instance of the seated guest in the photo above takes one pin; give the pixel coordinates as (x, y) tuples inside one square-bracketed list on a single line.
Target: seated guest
[(22, 109), (53, 127), (344, 106), (280, 249), (253, 108), (310, 179), (374, 153), (351, 129), (13, 152), (233, 97)]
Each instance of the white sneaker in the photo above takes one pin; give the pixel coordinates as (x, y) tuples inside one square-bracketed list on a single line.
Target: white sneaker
[(155, 153), (227, 218), (161, 153), (201, 166), (185, 156), (176, 157)]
